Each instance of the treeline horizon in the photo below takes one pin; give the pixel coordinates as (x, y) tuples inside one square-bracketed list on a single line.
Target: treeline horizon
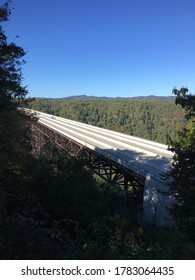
[(84, 97)]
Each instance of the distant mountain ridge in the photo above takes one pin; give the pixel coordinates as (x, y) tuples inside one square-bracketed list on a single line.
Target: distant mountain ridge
[(91, 97)]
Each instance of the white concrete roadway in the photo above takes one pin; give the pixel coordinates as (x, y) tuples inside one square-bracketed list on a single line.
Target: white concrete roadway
[(140, 155)]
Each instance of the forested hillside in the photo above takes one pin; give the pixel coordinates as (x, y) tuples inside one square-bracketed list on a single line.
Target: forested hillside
[(153, 120)]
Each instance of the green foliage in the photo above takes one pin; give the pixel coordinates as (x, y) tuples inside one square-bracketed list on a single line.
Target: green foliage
[(14, 145), (186, 100), (153, 120), (182, 184), (10, 65), (61, 212)]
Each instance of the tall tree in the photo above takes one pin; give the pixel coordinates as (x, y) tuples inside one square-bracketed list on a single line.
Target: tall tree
[(182, 184), (10, 65), (12, 126), (186, 100)]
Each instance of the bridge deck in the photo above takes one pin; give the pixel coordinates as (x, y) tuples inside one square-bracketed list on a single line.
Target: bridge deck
[(139, 155)]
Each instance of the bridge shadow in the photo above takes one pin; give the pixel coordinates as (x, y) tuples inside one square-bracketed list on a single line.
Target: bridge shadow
[(138, 162)]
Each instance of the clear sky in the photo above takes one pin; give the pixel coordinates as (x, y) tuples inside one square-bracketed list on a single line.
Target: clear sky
[(105, 47)]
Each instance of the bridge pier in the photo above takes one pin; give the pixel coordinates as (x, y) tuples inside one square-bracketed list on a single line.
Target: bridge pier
[(156, 203)]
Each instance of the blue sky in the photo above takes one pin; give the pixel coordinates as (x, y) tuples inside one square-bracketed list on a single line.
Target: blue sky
[(105, 47)]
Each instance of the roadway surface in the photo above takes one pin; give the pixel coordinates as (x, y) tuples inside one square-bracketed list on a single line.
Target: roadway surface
[(140, 155)]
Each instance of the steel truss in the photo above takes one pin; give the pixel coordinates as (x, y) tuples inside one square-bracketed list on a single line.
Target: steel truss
[(106, 168)]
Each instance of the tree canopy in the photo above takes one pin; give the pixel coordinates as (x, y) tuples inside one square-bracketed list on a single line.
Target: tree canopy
[(10, 65), (186, 100), (182, 184), (149, 119)]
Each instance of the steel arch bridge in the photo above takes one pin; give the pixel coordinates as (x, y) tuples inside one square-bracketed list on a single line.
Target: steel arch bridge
[(133, 163)]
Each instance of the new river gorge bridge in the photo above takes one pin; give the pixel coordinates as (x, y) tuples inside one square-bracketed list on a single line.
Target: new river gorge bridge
[(136, 164)]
